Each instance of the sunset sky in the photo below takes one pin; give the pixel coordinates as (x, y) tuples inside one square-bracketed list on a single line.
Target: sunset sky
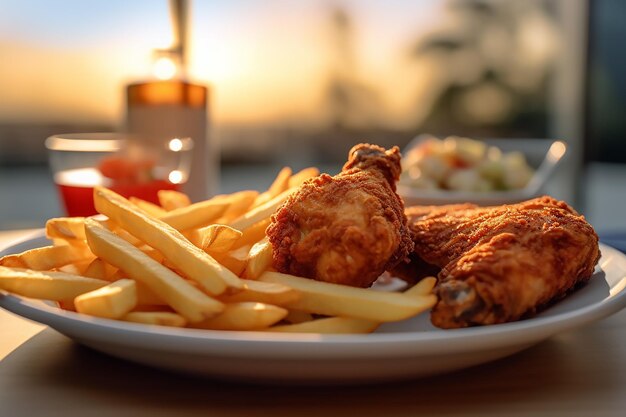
[(266, 60)]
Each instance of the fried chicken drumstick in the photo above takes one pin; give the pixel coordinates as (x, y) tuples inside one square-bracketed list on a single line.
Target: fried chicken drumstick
[(346, 229), (500, 264)]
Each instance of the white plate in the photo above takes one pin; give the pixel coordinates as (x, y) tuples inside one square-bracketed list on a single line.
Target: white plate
[(543, 155), (412, 348)]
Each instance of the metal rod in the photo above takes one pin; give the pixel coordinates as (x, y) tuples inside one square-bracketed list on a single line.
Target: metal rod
[(178, 16)]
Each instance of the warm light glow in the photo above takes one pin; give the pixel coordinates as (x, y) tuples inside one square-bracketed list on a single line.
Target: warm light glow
[(557, 150), (175, 177), (165, 68), (244, 74), (84, 177), (175, 145)]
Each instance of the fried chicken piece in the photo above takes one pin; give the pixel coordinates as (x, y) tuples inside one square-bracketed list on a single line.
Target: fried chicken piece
[(500, 264), (346, 229)]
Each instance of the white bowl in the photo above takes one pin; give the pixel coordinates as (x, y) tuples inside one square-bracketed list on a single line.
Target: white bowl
[(543, 155)]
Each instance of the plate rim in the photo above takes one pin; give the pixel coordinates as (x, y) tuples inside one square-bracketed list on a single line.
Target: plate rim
[(419, 342)]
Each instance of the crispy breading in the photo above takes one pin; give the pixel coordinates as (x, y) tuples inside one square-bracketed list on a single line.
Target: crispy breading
[(344, 229), (500, 264)]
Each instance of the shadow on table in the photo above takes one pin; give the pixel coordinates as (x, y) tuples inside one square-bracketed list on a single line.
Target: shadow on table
[(50, 374)]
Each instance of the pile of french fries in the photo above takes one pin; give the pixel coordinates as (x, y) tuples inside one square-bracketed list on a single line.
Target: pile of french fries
[(206, 265)]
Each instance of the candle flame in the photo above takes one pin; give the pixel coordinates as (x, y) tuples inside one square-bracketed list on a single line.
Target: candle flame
[(165, 68)]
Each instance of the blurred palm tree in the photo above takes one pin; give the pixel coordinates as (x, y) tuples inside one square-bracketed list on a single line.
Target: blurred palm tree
[(489, 69), (351, 107), (351, 102)]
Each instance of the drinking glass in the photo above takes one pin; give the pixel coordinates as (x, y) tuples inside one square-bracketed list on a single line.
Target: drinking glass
[(129, 165)]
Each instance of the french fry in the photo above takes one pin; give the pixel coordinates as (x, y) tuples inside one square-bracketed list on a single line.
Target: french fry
[(261, 212), (259, 259), (46, 285), (153, 308), (329, 325), (118, 274), (263, 292), (47, 257), (157, 318), (340, 300), (111, 301), (240, 203), (216, 237), (66, 228), (76, 268), (191, 260), (72, 230), (171, 199), (68, 269), (97, 269), (196, 215), (122, 233), (253, 234), (244, 316), (280, 184), (173, 289), (285, 181), (147, 297), (150, 208), (297, 316), (67, 305), (66, 242), (153, 253), (422, 288), (300, 177), (235, 260)]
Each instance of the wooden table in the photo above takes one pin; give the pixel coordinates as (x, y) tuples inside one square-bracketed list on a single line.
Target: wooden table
[(578, 373)]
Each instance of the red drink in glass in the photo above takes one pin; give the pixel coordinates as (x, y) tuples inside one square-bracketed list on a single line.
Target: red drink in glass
[(129, 165), (76, 189)]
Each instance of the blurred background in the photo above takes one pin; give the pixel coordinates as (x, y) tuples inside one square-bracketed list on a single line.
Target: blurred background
[(299, 83)]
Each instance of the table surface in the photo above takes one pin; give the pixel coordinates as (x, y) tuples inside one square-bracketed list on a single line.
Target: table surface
[(577, 373)]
